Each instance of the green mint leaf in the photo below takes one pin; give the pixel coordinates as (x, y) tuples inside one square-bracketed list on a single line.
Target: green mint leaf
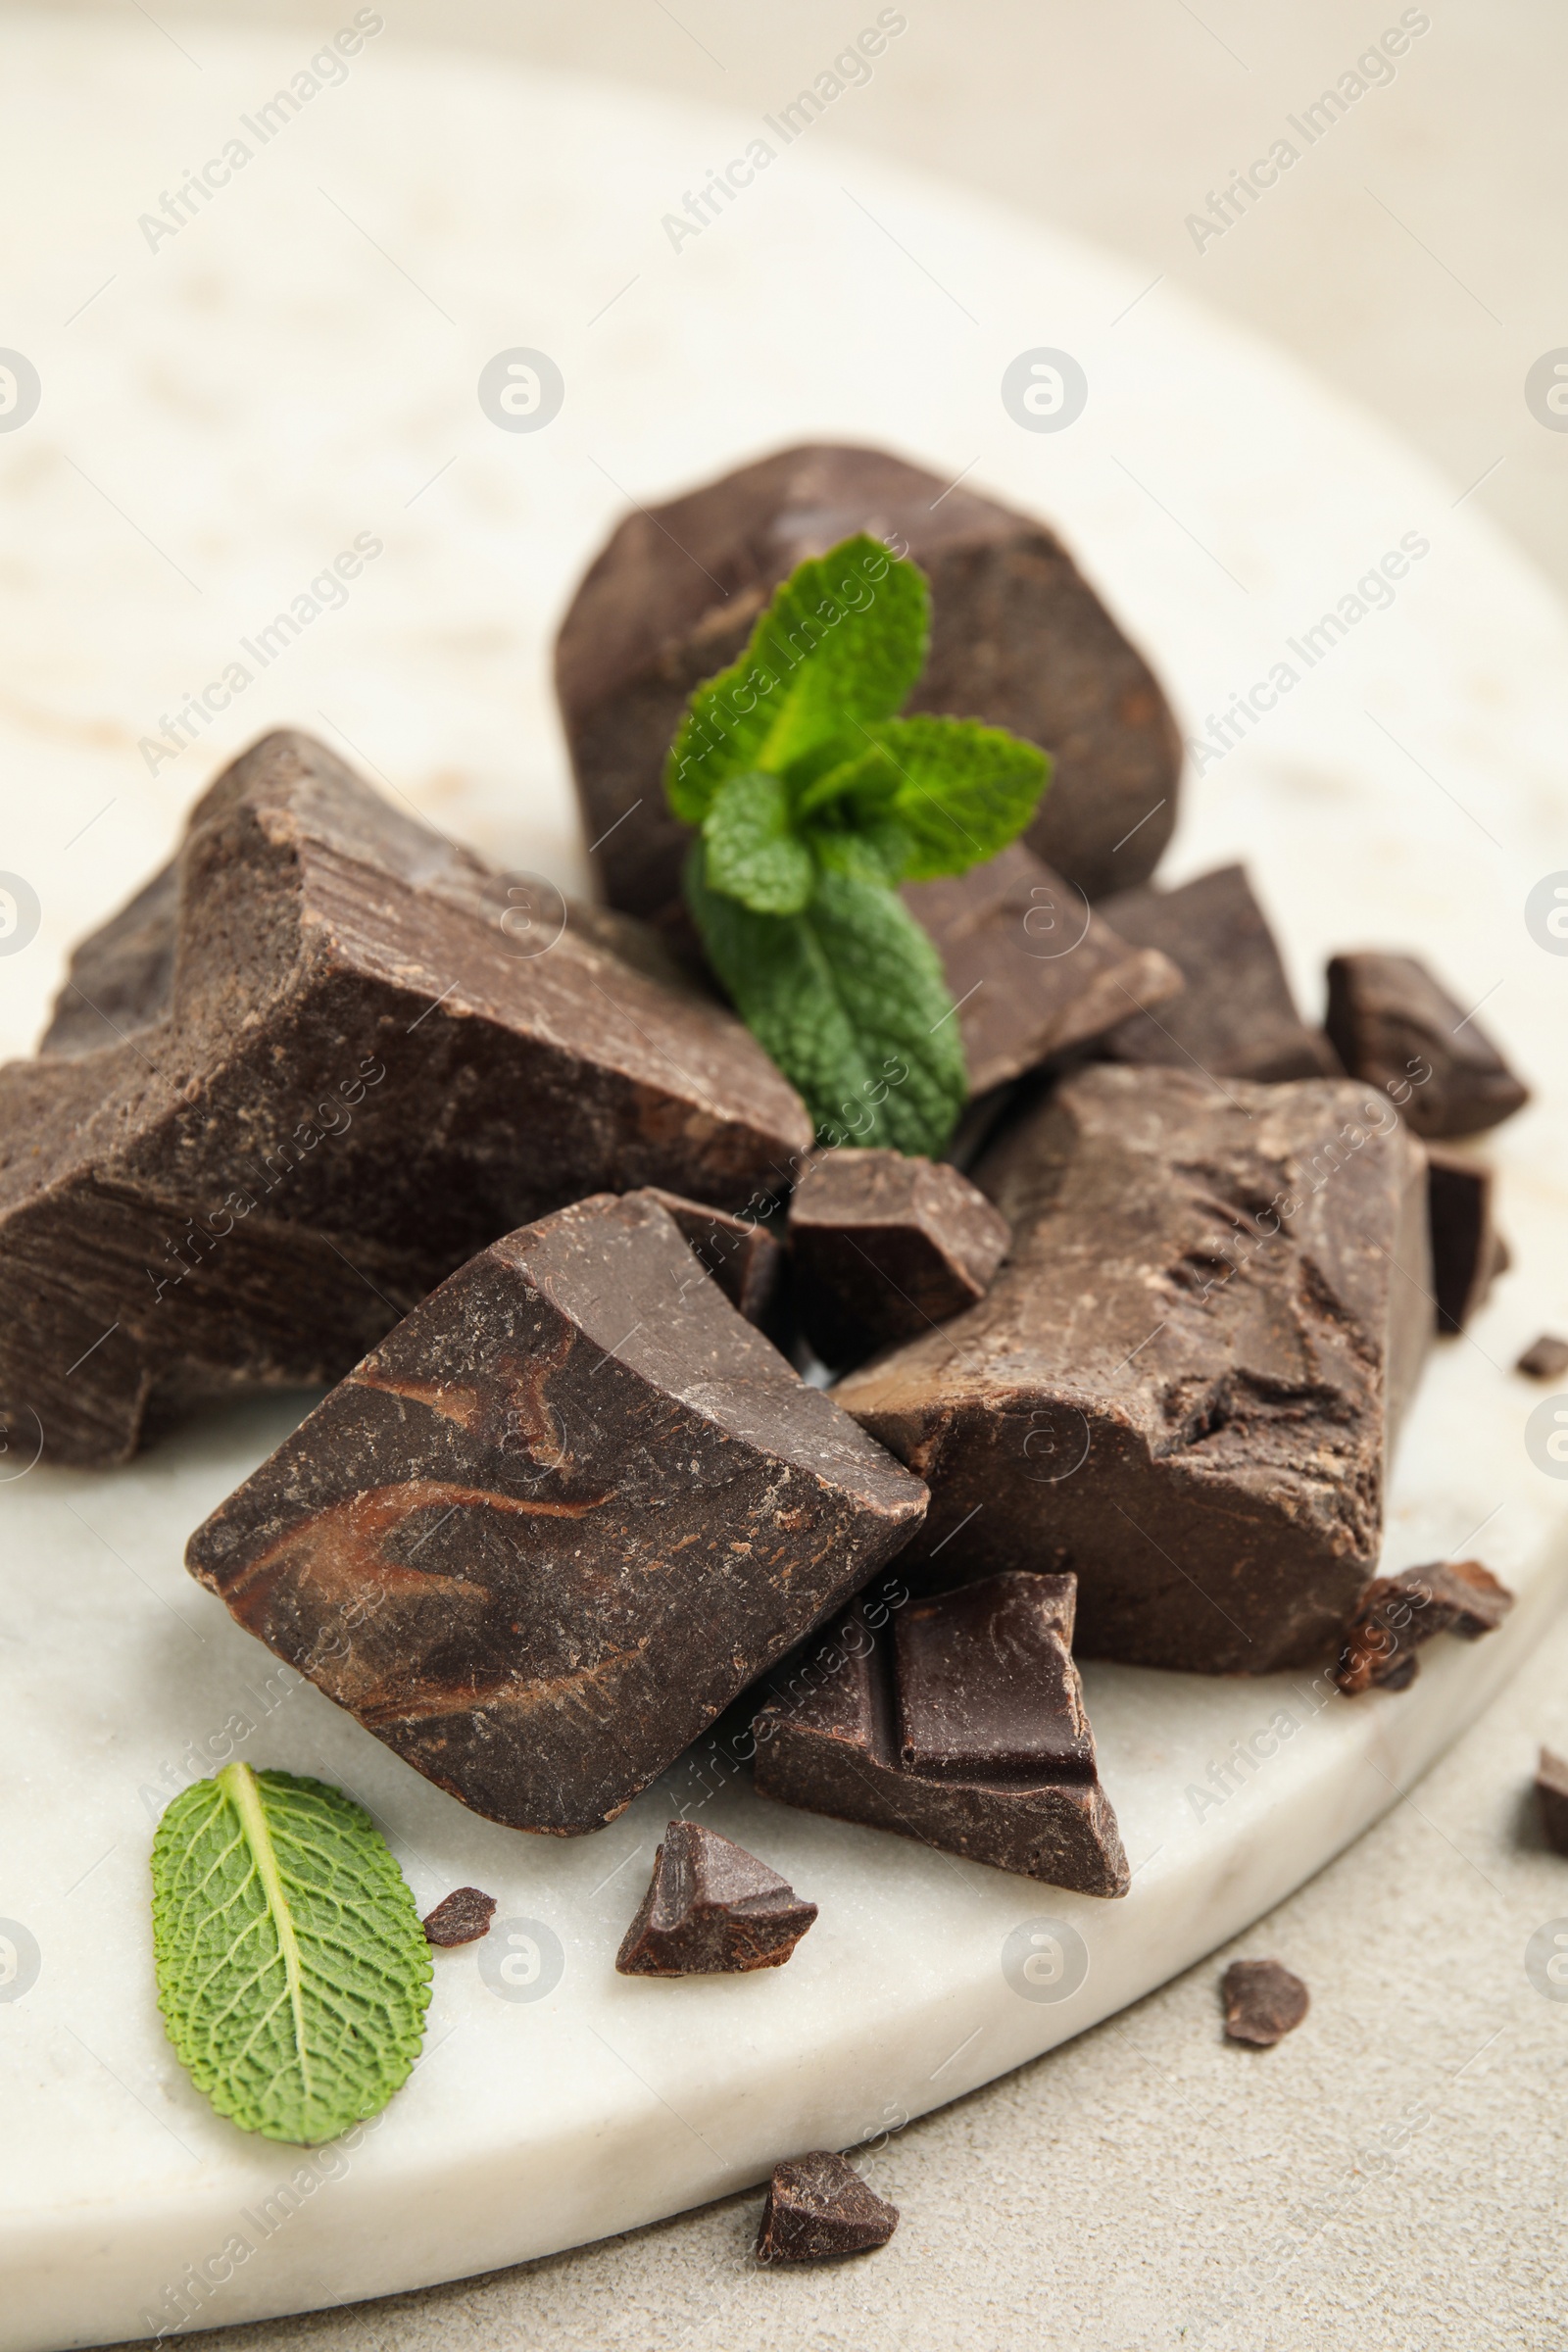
[(965, 790), (293, 1974), (752, 853), (850, 1001), (842, 643)]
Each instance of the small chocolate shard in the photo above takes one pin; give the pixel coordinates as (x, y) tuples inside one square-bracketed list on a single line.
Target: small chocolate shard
[(711, 1909), (1033, 970), (1184, 1383), (1393, 1025), (1236, 1018), (818, 2209), (743, 1257), (965, 1729), (345, 1081), (886, 1245), (1468, 1252), (1546, 1358), (1396, 1614), (1018, 638), (1552, 1799), (1264, 2002), (462, 1917), (556, 1521)]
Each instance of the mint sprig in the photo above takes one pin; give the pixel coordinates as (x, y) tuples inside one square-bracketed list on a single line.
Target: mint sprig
[(293, 1974), (813, 800)]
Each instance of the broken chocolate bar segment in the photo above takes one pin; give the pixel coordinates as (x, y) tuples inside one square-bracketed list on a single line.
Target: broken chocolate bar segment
[(121, 976), (1236, 1017), (463, 1917), (1546, 1358), (1018, 639), (965, 1730), (1467, 1250), (711, 1909), (1185, 1380), (1395, 1026), (550, 1528), (884, 1247), (1552, 1799), (742, 1256), (1396, 1614), (1032, 969), (1264, 2002), (346, 1081), (819, 2207)]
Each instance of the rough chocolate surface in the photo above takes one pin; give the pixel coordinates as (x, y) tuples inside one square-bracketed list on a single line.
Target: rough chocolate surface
[(1546, 1358), (1396, 1614), (1236, 1018), (742, 1256), (1468, 1252), (1393, 1024), (121, 978), (1033, 970), (711, 1909), (1184, 1381), (463, 1917), (556, 1521), (1552, 1799), (884, 1247), (819, 2207), (1264, 2002), (347, 1082), (964, 1727), (1019, 639)]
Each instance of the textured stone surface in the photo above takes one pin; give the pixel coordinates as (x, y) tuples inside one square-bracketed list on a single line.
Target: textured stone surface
[(1396, 1614), (1184, 1381), (348, 1082), (556, 1521), (1031, 969), (1395, 1025), (884, 1246), (961, 1725), (819, 2207), (1018, 639), (1236, 1017), (711, 1909), (1264, 2002)]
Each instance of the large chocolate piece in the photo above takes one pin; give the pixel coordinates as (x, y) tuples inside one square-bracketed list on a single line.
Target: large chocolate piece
[(1033, 971), (1018, 639), (1396, 1614), (742, 1256), (1468, 1252), (1393, 1025), (353, 1079), (711, 1909), (1236, 1018), (884, 1247), (556, 1521), (1264, 2002), (965, 1729), (121, 976), (1184, 1383), (818, 2209)]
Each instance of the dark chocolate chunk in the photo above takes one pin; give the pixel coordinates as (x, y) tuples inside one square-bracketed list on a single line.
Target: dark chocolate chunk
[(1184, 1381), (1393, 1025), (1264, 2002), (742, 1256), (462, 1917), (965, 1728), (1236, 1018), (1546, 1358), (885, 1245), (353, 1082), (817, 2209), (1468, 1252), (121, 978), (551, 1527), (1033, 970), (1018, 639), (1552, 1799), (711, 1909), (1396, 1614)]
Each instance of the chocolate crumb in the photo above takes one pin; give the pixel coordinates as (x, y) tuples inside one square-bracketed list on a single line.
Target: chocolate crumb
[(462, 1917), (1264, 2002), (1396, 1614), (819, 2207), (1546, 1358), (711, 1909), (1551, 1798)]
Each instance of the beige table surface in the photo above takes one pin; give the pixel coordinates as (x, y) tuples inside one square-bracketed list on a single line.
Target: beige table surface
[(1391, 2175)]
